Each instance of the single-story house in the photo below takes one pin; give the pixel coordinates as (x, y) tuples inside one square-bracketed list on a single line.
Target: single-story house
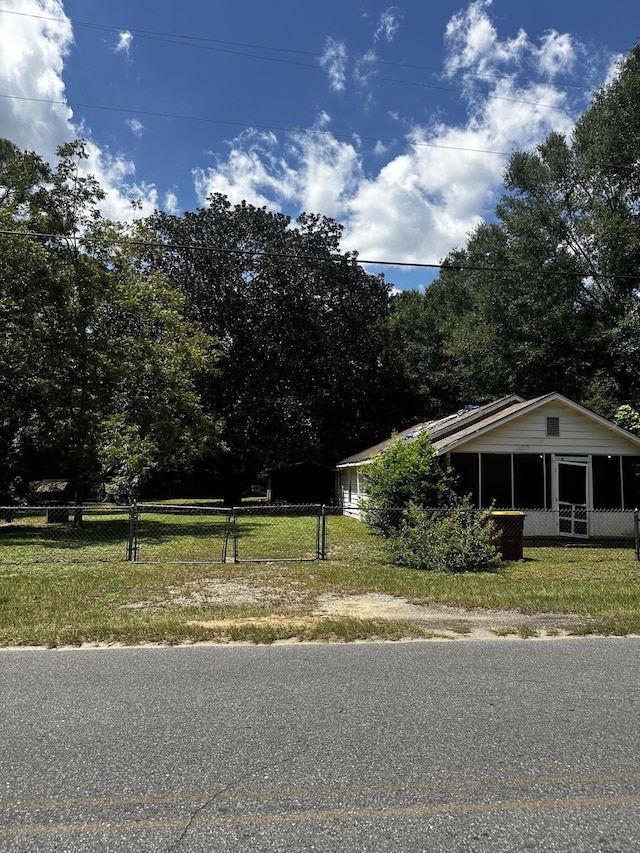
[(548, 456)]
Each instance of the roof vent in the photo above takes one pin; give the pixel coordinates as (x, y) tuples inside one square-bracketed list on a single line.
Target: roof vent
[(553, 427)]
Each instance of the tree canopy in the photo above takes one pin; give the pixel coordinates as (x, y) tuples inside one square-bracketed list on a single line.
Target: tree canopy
[(243, 340), (546, 297), (97, 356), (301, 327)]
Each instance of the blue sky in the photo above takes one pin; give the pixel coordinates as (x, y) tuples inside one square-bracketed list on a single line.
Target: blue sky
[(396, 120)]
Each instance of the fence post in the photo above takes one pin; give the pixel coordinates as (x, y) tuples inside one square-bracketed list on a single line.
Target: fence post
[(318, 532), (323, 532), (235, 535), (636, 531), (132, 542)]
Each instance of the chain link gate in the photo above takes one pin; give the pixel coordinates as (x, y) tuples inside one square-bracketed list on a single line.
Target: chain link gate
[(161, 533)]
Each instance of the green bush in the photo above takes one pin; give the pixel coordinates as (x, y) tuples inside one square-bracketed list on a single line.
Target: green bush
[(459, 540), (406, 472)]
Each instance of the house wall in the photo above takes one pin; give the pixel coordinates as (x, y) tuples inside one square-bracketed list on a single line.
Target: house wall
[(527, 434), (602, 524), (348, 489)]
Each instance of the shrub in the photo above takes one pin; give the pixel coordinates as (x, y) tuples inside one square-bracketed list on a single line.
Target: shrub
[(459, 540), (406, 472)]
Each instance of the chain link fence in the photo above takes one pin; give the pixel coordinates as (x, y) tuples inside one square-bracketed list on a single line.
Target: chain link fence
[(63, 534), (179, 534), (563, 527), (212, 534)]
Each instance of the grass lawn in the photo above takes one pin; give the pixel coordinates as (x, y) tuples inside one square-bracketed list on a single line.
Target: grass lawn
[(59, 592)]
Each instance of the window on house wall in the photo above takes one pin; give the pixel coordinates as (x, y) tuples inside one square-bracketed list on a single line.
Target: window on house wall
[(496, 480), (345, 478), (631, 481), (528, 481), (607, 482), (353, 486), (548, 497), (466, 469)]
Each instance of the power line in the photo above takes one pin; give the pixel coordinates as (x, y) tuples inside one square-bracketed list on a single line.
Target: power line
[(171, 247), (353, 74), (192, 41), (283, 128)]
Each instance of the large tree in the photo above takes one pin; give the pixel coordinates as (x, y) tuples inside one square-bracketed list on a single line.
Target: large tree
[(547, 296), (97, 362), (301, 326)]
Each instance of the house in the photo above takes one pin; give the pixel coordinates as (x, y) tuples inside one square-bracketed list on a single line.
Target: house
[(549, 456)]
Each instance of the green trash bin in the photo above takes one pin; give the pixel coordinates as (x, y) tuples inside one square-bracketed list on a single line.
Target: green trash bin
[(508, 526)]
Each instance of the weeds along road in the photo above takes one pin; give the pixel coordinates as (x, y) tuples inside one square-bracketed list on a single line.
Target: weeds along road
[(503, 745)]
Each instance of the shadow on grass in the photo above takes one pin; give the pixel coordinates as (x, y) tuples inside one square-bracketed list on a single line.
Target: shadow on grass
[(90, 533)]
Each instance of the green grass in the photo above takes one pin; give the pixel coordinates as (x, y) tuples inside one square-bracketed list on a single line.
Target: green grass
[(59, 592)]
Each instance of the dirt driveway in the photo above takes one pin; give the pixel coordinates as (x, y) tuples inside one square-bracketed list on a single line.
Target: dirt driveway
[(447, 621), (441, 620)]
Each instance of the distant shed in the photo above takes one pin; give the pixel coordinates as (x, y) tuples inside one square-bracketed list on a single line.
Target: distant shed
[(55, 494), (303, 483)]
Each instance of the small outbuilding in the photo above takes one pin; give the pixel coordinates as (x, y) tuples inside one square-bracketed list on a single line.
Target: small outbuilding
[(302, 483), (549, 456), (55, 494)]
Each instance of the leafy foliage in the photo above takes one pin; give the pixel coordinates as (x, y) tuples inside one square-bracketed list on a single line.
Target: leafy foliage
[(628, 418), (546, 297), (404, 473), (301, 329), (97, 352), (460, 540)]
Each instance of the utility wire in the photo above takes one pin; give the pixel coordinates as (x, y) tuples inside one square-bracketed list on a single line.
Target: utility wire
[(172, 247), (285, 129), (353, 74), (192, 41)]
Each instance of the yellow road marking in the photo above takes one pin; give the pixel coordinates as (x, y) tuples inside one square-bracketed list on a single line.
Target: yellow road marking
[(302, 817), (319, 791)]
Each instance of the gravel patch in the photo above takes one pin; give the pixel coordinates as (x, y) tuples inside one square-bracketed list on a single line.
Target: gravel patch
[(211, 593)]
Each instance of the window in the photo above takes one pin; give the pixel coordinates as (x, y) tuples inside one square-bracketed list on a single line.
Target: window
[(631, 480), (553, 427), (465, 468), (528, 481), (607, 491), (496, 480)]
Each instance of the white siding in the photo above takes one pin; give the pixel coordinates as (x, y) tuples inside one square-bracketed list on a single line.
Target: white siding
[(527, 434), (602, 524), (349, 480)]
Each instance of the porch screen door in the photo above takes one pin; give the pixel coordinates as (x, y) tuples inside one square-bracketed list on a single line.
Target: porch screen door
[(572, 498)]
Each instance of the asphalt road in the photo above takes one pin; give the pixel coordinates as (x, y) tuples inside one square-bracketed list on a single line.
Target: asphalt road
[(505, 745)]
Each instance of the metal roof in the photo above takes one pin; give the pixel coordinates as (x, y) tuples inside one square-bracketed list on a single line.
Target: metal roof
[(458, 428), (441, 428)]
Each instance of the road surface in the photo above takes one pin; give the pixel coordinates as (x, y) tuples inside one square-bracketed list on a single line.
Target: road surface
[(502, 745)]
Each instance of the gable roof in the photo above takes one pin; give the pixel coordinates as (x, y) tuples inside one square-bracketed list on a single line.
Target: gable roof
[(438, 428), (472, 421)]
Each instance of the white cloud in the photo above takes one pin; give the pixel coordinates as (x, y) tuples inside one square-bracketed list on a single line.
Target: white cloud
[(334, 62), (424, 201), (171, 203), (37, 117), (388, 24), (471, 38), (321, 174), (557, 53), (32, 54), (124, 42), (136, 127), (365, 68)]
